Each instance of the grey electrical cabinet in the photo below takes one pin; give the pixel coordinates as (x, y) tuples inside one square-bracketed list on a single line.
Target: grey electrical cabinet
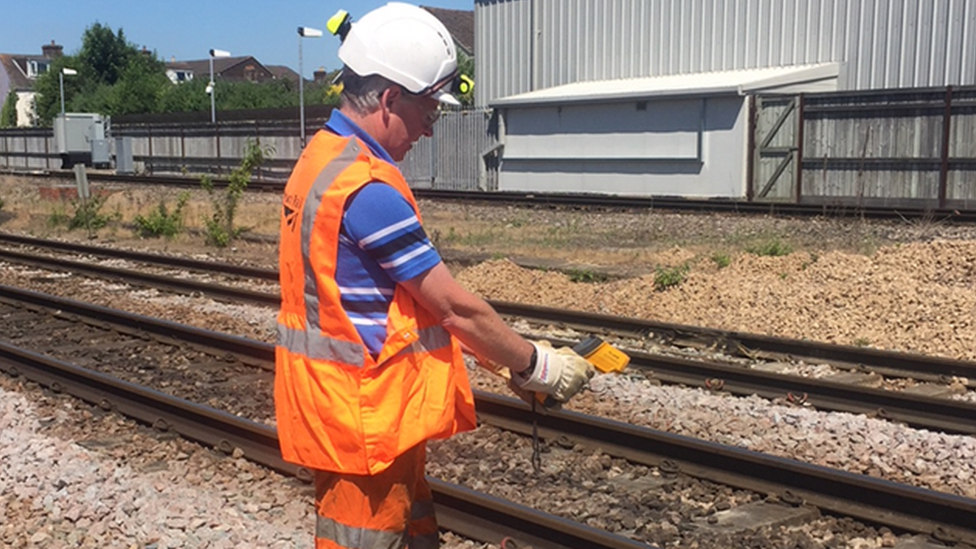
[(123, 155), (80, 138)]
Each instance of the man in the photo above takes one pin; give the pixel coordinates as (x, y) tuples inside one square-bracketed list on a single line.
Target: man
[(372, 324)]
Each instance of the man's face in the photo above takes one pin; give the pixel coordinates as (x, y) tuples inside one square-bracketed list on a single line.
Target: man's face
[(412, 117)]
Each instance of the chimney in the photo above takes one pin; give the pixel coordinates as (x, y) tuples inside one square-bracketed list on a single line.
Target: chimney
[(52, 50), (319, 75), (146, 52)]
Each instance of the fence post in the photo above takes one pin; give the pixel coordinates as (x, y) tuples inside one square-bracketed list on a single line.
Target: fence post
[(217, 138), (751, 147), (946, 134), (148, 166), (801, 103)]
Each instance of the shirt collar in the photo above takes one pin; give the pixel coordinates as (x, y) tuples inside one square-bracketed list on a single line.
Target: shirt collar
[(341, 125)]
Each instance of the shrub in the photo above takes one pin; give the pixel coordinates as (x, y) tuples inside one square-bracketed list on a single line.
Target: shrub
[(772, 248), (162, 222), (220, 226), (669, 277), (88, 214)]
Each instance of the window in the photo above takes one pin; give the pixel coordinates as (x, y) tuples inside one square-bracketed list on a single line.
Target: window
[(36, 68)]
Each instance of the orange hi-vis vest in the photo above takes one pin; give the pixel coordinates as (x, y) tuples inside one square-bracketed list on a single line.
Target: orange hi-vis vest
[(339, 409)]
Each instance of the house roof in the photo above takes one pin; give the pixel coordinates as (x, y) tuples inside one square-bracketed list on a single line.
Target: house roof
[(460, 23), (282, 72), (818, 77), (202, 66), (16, 67)]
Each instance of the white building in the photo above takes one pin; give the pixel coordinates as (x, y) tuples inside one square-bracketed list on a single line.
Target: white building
[(649, 96)]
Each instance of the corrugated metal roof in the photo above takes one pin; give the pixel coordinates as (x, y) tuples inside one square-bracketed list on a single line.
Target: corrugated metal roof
[(705, 83)]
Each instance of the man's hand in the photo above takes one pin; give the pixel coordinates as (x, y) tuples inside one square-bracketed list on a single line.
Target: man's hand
[(560, 373)]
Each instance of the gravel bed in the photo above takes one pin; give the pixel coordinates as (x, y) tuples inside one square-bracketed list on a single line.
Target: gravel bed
[(841, 440), (72, 476)]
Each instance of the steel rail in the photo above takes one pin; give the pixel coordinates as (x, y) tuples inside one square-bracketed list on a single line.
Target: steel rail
[(169, 261), (900, 506), (894, 363), (597, 201), (933, 368), (874, 500), (469, 513), (939, 414), (217, 291), (917, 410)]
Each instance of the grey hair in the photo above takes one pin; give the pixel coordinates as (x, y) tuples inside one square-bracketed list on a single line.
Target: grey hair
[(362, 93)]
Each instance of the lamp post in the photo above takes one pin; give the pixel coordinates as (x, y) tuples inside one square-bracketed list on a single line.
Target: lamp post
[(210, 86), (69, 72), (303, 32)]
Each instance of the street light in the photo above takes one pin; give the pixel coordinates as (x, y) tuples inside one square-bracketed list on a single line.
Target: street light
[(210, 86), (303, 32), (69, 72)]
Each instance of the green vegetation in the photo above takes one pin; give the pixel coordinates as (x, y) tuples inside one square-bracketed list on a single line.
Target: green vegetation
[(8, 115), (722, 260), (87, 215), (670, 277), (220, 227), (115, 77), (862, 342), (586, 276), (162, 222), (772, 248)]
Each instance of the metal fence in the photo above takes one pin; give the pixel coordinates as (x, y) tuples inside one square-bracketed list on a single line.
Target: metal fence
[(459, 156), (913, 147)]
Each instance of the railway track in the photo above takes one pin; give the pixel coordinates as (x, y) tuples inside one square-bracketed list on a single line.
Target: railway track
[(751, 375), (589, 200), (783, 489)]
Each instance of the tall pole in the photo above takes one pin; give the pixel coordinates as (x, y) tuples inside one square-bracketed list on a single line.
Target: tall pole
[(301, 89), (213, 103), (303, 32), (61, 82)]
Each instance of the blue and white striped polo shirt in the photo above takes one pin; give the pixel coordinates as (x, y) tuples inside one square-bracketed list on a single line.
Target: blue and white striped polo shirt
[(381, 243)]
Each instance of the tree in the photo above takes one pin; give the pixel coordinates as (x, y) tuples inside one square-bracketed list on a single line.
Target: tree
[(140, 87), (8, 116), (104, 54), (47, 102)]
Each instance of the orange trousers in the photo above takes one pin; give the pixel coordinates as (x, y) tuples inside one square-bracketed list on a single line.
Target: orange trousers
[(391, 510)]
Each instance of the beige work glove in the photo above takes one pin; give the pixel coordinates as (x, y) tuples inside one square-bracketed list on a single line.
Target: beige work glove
[(560, 373)]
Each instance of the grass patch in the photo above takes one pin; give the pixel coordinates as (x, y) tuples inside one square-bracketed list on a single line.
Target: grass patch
[(161, 221), (722, 260), (772, 248), (670, 277), (586, 276)]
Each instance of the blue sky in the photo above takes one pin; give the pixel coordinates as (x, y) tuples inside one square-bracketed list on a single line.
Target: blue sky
[(187, 29)]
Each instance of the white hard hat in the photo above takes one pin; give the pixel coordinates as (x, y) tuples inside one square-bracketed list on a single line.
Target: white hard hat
[(406, 45)]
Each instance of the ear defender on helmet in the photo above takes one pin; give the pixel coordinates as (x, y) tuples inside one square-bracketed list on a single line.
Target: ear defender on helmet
[(463, 84), (339, 24)]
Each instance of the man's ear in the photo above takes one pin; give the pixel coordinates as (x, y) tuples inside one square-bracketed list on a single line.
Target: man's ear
[(390, 96)]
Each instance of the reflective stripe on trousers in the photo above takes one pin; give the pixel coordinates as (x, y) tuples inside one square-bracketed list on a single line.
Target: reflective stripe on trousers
[(390, 510)]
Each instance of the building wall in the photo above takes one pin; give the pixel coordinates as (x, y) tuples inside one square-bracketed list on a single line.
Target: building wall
[(25, 108), (526, 45), (688, 147)]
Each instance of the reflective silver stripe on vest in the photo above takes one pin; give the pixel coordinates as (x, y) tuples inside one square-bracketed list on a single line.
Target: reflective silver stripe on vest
[(429, 340), (316, 346), (358, 538), (312, 202)]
